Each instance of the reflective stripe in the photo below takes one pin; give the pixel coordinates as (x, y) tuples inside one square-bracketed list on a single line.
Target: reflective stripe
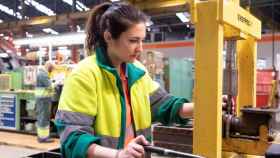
[(79, 122), (43, 132), (43, 92), (111, 142), (74, 118), (74, 121), (157, 98)]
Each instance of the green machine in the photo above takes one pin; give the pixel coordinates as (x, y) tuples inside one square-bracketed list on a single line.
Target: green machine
[(181, 77)]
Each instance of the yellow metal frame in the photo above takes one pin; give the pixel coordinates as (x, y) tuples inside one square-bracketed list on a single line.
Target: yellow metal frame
[(216, 20), (151, 4)]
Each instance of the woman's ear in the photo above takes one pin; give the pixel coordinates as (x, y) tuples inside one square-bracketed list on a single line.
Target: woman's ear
[(107, 37)]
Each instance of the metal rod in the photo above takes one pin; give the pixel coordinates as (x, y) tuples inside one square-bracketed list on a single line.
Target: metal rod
[(273, 37), (230, 66), (168, 152)]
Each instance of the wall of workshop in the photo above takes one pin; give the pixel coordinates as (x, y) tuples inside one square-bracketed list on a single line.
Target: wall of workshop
[(182, 49), (265, 49)]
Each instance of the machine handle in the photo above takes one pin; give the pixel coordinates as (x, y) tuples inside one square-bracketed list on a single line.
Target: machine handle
[(168, 152)]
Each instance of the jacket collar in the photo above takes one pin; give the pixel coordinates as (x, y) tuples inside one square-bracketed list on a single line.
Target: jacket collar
[(132, 72)]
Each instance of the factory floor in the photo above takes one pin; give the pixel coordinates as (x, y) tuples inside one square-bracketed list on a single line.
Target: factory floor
[(15, 145), (8, 151)]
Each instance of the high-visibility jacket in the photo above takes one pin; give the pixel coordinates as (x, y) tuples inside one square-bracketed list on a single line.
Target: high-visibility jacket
[(92, 105)]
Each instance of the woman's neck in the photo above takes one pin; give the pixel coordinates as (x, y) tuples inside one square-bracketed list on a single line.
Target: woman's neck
[(114, 61)]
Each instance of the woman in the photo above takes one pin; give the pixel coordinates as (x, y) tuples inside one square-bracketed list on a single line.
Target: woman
[(109, 100)]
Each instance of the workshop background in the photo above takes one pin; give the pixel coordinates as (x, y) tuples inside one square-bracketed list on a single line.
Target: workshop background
[(35, 31)]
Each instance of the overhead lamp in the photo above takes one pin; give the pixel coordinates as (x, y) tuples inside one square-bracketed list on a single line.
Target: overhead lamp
[(62, 48), (28, 35), (57, 40), (79, 30), (183, 16), (51, 31), (149, 23), (79, 5), (4, 55), (1, 20), (82, 6), (115, 0), (9, 11), (42, 8)]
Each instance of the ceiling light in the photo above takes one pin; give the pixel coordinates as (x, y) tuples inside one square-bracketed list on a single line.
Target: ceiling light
[(28, 35), (10, 11), (149, 23), (82, 6), (79, 29), (63, 47), (51, 31), (62, 39), (115, 0), (1, 20), (4, 55), (79, 5), (42, 8), (183, 16)]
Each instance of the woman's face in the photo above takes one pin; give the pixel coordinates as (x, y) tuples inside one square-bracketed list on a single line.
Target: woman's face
[(128, 46)]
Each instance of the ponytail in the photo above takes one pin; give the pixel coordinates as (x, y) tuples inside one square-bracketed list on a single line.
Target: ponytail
[(94, 35)]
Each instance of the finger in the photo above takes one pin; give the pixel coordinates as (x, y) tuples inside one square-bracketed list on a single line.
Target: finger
[(134, 153), (138, 148), (141, 140), (225, 98)]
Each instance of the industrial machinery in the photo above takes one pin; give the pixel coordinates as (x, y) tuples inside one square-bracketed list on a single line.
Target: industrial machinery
[(248, 130)]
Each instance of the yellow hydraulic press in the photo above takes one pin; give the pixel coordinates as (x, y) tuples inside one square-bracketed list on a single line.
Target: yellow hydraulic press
[(216, 21)]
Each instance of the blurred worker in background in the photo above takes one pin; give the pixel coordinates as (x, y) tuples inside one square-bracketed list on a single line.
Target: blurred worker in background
[(43, 93), (109, 100)]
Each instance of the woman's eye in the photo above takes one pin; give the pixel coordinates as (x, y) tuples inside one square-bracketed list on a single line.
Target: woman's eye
[(133, 41)]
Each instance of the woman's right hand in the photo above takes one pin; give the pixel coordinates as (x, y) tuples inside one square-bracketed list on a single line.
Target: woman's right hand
[(135, 148)]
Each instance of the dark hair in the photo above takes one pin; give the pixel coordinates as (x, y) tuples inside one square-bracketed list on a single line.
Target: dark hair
[(115, 18)]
